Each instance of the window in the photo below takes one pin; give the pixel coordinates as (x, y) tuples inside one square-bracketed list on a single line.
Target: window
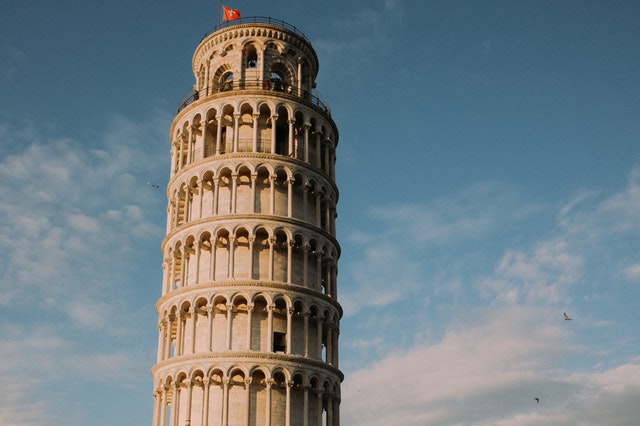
[(279, 342)]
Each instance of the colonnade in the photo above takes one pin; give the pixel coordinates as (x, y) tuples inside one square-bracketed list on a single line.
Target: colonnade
[(220, 324), (217, 399), (243, 130), (257, 254), (258, 191)]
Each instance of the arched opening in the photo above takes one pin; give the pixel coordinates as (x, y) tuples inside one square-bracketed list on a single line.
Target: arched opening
[(279, 340), (257, 398), (259, 325), (241, 258), (219, 336), (282, 132), (222, 255), (261, 258)]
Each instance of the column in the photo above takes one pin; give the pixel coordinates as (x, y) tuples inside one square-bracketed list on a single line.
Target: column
[(329, 347), (305, 200), (236, 126), (272, 242), (290, 183), (210, 315), (255, 131), (287, 413), (252, 239), (201, 193), (163, 406), (232, 250), (249, 319), (229, 329), (291, 151), (305, 410), (269, 383), (189, 403), (290, 245), (272, 194), (274, 118), (194, 323), (269, 328), (205, 402), (175, 409), (299, 76), (319, 396), (218, 134), (198, 253), (254, 178), (225, 401), (318, 195), (305, 317), (289, 329), (178, 344), (305, 265), (319, 338), (216, 190), (318, 150), (187, 203), (160, 340), (157, 401), (234, 192), (247, 387), (305, 130)]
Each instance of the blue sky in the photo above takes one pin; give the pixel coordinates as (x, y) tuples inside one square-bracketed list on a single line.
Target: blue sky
[(489, 168)]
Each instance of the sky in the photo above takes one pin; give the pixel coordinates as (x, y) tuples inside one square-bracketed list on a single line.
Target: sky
[(489, 174)]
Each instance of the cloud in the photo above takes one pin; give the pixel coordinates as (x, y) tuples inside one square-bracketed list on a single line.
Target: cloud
[(542, 276), (76, 221), (398, 261), (487, 373), (480, 356)]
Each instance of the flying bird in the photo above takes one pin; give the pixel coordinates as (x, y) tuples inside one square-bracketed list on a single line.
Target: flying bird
[(566, 317), (153, 185), (537, 400)]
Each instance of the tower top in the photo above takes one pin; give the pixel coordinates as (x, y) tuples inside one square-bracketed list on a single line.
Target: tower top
[(266, 32)]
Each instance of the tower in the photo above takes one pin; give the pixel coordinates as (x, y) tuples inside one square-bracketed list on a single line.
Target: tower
[(248, 316)]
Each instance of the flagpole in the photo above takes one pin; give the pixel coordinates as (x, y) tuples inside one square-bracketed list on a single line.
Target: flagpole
[(218, 13)]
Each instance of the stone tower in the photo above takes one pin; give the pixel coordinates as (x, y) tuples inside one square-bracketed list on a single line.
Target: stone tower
[(248, 317)]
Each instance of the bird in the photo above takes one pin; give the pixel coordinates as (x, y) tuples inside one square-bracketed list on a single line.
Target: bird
[(566, 317), (537, 400), (153, 185)]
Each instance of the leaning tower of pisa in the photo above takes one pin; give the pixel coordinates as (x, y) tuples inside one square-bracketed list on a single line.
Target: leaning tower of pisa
[(248, 316)]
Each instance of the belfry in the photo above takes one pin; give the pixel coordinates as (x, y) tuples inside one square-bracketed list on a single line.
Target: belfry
[(248, 318)]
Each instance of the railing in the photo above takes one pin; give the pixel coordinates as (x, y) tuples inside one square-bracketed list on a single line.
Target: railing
[(257, 20), (273, 86)]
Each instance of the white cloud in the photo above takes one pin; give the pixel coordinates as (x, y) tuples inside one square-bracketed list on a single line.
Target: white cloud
[(487, 373), (75, 219), (542, 276), (489, 363), (632, 272)]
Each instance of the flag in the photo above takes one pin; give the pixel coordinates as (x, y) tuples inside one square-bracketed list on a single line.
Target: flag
[(231, 14)]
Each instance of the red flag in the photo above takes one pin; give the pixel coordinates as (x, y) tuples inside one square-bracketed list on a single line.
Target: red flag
[(231, 14)]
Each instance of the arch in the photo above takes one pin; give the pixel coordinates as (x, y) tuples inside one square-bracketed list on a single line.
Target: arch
[(259, 324), (281, 256), (244, 190), (257, 398), (282, 131), (245, 128), (242, 254), (227, 132), (221, 254), (261, 255), (263, 190)]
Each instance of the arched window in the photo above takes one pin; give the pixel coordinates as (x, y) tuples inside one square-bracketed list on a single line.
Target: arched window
[(227, 81), (276, 81)]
